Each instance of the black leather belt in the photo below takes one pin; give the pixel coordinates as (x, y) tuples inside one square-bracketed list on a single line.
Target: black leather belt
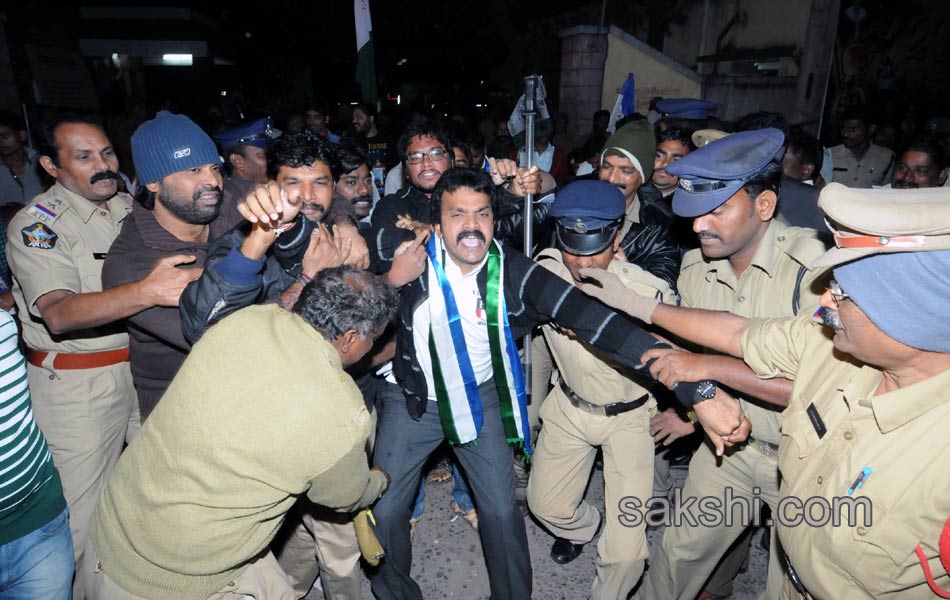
[(606, 410)]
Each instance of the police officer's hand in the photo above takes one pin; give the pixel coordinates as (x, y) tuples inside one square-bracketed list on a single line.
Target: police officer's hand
[(673, 365), (409, 261), (167, 280), (669, 426), (270, 206), (614, 293), (322, 253), (722, 419), (358, 252)]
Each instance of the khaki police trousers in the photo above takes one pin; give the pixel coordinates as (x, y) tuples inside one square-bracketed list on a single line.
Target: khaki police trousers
[(689, 552), (261, 580), (560, 470), (87, 416)]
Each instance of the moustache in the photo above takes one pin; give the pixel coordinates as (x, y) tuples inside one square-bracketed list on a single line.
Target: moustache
[(103, 175), (358, 199), (829, 318), (905, 185), (472, 234), (621, 186), (705, 235), (207, 188)]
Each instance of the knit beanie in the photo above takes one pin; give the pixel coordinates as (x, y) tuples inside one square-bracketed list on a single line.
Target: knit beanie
[(170, 143), (637, 142)]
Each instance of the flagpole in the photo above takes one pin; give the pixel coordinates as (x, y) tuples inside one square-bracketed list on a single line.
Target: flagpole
[(530, 93)]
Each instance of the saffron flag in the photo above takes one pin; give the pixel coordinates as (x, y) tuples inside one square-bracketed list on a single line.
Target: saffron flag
[(365, 63)]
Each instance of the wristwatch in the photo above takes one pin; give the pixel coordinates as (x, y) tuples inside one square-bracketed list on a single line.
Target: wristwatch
[(705, 390)]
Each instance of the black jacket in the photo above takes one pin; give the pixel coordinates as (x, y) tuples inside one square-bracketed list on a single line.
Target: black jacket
[(533, 296), (649, 244)]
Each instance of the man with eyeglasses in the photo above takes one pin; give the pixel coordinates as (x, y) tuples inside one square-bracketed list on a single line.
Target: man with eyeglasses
[(427, 152), (869, 410), (751, 265)]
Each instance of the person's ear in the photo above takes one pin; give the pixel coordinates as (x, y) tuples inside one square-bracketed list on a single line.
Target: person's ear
[(48, 166), (237, 161), (765, 205), (22, 135), (808, 170), (153, 187), (942, 177), (617, 241), (347, 340)]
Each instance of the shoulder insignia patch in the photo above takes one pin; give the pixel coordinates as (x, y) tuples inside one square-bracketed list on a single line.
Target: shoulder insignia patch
[(39, 236)]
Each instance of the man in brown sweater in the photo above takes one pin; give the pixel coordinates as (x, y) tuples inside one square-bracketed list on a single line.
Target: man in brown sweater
[(260, 414)]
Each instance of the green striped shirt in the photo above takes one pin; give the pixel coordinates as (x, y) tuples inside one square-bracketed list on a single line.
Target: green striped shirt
[(30, 490)]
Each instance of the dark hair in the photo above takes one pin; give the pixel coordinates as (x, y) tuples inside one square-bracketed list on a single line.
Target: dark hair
[(345, 298), (601, 114), (421, 126), (858, 112), (351, 155), (806, 148), (301, 149), (475, 139), (145, 197), (368, 109), (682, 135), (12, 120), (456, 178), (931, 146), (461, 144), (762, 120), (46, 142), (769, 178)]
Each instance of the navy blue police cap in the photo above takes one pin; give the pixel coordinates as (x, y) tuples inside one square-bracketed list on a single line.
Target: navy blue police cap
[(710, 175), (588, 214), (686, 108), (257, 133)]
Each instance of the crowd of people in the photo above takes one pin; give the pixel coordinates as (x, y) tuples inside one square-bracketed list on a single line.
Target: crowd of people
[(232, 364)]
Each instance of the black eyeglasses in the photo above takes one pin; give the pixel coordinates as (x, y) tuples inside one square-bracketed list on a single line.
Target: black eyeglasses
[(837, 294), (434, 154)]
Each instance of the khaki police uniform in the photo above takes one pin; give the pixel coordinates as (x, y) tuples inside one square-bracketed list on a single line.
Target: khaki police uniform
[(568, 444), (777, 283), (83, 396), (875, 168), (901, 435)]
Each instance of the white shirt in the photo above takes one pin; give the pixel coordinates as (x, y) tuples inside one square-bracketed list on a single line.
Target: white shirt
[(474, 324), (543, 160)]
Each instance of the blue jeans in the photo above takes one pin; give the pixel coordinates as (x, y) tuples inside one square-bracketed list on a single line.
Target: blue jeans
[(39, 564), (463, 496)]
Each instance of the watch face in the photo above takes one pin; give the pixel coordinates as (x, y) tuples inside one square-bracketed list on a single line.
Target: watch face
[(706, 389)]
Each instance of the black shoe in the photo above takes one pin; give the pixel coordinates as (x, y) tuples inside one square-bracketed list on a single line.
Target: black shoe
[(564, 551)]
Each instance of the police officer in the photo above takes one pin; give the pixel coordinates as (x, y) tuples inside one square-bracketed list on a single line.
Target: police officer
[(244, 148), (856, 161), (754, 266), (869, 411), (594, 404), (77, 347)]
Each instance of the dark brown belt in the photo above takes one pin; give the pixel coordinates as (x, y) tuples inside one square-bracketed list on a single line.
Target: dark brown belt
[(606, 410), (86, 360)]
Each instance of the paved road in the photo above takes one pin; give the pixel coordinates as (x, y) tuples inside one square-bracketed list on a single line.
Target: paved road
[(448, 563)]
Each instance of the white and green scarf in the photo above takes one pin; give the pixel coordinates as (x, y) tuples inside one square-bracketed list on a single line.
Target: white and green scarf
[(456, 390)]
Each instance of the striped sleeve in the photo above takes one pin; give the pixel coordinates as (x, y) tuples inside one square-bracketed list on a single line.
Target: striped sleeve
[(24, 457)]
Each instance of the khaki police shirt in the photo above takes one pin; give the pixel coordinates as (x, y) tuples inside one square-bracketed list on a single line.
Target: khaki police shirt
[(766, 289), (593, 378), (875, 168), (835, 426), (59, 241)]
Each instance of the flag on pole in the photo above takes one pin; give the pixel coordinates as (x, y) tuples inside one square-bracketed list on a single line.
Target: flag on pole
[(624, 105), (365, 64), (543, 123)]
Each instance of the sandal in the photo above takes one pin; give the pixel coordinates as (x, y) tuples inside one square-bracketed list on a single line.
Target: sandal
[(442, 472), (470, 516)]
